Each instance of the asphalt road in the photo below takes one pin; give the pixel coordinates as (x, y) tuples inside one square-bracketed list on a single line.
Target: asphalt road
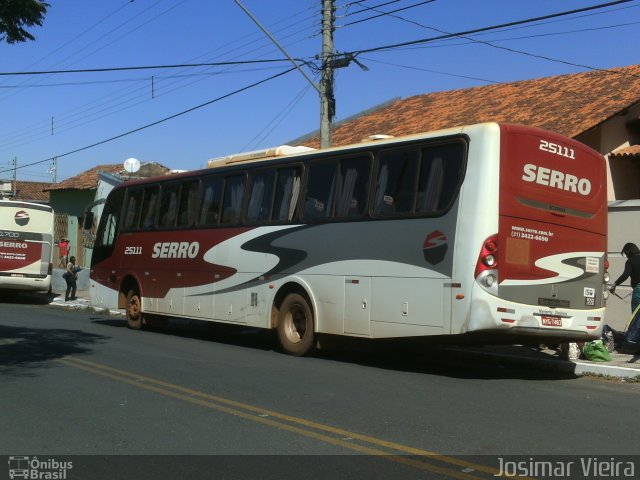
[(78, 383)]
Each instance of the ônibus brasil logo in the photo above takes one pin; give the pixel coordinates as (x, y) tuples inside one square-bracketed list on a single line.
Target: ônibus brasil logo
[(21, 218), (435, 247), (34, 468)]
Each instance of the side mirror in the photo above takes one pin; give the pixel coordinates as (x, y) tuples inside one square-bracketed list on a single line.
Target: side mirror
[(88, 220)]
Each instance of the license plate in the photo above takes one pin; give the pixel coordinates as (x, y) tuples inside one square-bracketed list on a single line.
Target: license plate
[(551, 321)]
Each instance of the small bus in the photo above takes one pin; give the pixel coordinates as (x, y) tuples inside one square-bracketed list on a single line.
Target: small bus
[(26, 246), (489, 232)]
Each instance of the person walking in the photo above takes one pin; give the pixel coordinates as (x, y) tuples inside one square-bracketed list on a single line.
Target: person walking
[(631, 269), (71, 276)]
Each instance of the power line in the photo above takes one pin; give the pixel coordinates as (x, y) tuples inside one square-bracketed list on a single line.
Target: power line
[(386, 13), (485, 29), (158, 122), (487, 43), (83, 113), (148, 67)]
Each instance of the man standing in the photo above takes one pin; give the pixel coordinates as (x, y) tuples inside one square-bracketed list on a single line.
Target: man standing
[(631, 269)]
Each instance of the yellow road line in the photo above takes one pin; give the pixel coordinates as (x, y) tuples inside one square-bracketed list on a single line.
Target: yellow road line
[(261, 415)]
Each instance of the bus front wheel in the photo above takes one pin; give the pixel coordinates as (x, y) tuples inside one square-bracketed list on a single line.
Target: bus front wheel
[(134, 310), (295, 325)]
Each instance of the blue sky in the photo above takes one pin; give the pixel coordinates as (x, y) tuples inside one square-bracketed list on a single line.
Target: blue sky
[(50, 115)]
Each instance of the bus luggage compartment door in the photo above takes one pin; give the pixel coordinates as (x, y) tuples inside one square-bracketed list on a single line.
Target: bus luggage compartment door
[(357, 305)]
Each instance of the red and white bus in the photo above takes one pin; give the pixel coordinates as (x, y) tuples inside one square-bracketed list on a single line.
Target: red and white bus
[(493, 230), (26, 246)]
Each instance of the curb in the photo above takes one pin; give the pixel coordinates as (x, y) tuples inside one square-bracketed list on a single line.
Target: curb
[(583, 368), (578, 368)]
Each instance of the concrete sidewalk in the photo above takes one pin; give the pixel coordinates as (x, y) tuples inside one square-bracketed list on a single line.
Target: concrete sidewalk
[(621, 366)]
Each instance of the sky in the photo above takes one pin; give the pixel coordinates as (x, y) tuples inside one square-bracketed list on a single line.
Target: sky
[(182, 117)]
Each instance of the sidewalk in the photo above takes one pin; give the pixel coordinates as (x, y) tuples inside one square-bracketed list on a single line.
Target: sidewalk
[(81, 302), (622, 366)]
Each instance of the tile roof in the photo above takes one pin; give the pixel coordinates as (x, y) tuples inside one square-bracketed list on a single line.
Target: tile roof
[(31, 191), (567, 104), (631, 151), (88, 180)]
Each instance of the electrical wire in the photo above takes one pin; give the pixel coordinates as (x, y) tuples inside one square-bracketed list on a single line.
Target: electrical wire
[(489, 28), (158, 122)]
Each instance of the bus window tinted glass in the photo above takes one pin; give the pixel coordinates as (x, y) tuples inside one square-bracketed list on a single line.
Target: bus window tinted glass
[(108, 227), (259, 206), (440, 174), (354, 183), (287, 190), (132, 212), (168, 205), (187, 209), (396, 182), (149, 207), (321, 185), (211, 200), (232, 202)]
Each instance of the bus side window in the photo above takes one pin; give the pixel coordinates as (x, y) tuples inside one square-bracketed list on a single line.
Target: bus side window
[(396, 182), (260, 196), (211, 200), (319, 199), (187, 207), (440, 175), (132, 212), (149, 207), (286, 195), (168, 206), (232, 201), (354, 180)]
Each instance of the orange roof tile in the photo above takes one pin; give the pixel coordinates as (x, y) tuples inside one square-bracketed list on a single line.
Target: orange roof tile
[(567, 104), (630, 151), (31, 191), (87, 180)]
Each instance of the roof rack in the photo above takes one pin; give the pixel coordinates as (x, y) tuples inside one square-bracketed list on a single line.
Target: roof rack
[(281, 151)]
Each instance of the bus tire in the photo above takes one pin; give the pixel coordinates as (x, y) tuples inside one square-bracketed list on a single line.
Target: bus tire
[(134, 310), (295, 325)]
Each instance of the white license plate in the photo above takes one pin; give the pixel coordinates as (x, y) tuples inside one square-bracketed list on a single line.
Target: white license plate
[(551, 321)]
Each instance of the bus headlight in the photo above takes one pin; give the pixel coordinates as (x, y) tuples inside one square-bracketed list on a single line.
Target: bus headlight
[(606, 277), (605, 294)]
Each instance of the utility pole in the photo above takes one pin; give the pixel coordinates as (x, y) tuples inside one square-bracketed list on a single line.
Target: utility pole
[(325, 89), (54, 169), (327, 100), (15, 176)]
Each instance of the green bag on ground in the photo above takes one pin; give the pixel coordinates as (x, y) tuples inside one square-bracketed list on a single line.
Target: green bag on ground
[(596, 351)]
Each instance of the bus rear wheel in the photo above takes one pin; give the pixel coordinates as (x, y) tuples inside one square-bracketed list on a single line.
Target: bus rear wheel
[(134, 310), (295, 325)]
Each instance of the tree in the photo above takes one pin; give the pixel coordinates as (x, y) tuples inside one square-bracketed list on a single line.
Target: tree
[(16, 14)]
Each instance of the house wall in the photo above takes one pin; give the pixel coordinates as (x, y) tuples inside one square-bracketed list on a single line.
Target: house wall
[(72, 203), (623, 228)]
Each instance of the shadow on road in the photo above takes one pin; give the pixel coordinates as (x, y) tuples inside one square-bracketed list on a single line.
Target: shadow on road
[(399, 356), (25, 350), (26, 298)]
